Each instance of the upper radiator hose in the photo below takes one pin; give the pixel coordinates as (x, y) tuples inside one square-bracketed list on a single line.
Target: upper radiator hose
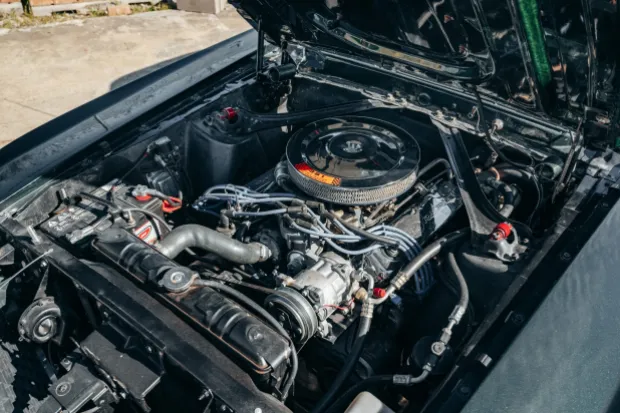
[(197, 236)]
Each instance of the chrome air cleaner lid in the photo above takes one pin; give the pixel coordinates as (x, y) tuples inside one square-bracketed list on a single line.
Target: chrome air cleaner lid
[(353, 160)]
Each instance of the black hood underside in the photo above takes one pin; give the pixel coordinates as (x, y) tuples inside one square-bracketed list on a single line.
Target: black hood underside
[(555, 59)]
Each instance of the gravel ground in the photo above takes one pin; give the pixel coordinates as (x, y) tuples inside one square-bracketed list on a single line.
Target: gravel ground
[(48, 70)]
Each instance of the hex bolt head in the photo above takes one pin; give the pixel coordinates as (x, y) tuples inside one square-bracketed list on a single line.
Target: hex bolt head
[(465, 390), (438, 348), (66, 364), (517, 318)]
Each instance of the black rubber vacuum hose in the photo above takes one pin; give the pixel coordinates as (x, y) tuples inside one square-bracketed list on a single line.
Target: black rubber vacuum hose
[(268, 317), (348, 367), (197, 236), (426, 255), (519, 176), (433, 164), (464, 298), (510, 200)]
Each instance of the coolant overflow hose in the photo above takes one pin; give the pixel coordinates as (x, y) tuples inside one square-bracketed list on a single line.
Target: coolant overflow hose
[(352, 359), (197, 236)]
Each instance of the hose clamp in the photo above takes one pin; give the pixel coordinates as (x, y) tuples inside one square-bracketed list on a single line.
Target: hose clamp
[(399, 281), (401, 379), (457, 314), (263, 251), (367, 309)]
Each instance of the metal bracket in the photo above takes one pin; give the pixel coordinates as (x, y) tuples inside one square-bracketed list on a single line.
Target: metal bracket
[(7, 255), (260, 48), (76, 388), (483, 217)]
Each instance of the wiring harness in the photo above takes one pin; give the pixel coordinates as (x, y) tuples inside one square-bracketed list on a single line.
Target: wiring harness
[(312, 219)]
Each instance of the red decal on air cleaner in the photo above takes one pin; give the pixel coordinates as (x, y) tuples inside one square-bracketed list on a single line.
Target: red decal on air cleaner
[(306, 170)]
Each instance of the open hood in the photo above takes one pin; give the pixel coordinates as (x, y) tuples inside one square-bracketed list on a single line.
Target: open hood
[(554, 58)]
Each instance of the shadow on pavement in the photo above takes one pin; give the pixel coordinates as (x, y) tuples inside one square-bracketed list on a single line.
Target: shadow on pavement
[(123, 80)]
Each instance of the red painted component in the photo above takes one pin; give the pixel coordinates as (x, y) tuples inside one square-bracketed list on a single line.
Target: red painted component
[(169, 207), (303, 167), (143, 198), (230, 114), (502, 231), (144, 234), (378, 292)]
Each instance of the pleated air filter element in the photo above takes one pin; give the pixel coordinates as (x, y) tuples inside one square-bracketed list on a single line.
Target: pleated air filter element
[(353, 160)]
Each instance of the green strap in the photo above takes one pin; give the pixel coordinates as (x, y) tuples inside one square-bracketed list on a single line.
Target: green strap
[(535, 39)]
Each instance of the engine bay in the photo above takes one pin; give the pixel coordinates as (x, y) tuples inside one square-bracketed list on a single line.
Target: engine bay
[(324, 242)]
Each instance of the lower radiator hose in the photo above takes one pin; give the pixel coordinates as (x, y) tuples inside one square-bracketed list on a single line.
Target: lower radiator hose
[(351, 362)]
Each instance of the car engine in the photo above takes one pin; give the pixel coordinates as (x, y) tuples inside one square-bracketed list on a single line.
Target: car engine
[(313, 237)]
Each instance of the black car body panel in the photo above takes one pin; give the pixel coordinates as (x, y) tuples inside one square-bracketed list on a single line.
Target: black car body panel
[(564, 359), (559, 65)]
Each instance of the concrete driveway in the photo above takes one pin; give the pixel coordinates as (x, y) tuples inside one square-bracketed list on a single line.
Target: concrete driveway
[(48, 70)]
